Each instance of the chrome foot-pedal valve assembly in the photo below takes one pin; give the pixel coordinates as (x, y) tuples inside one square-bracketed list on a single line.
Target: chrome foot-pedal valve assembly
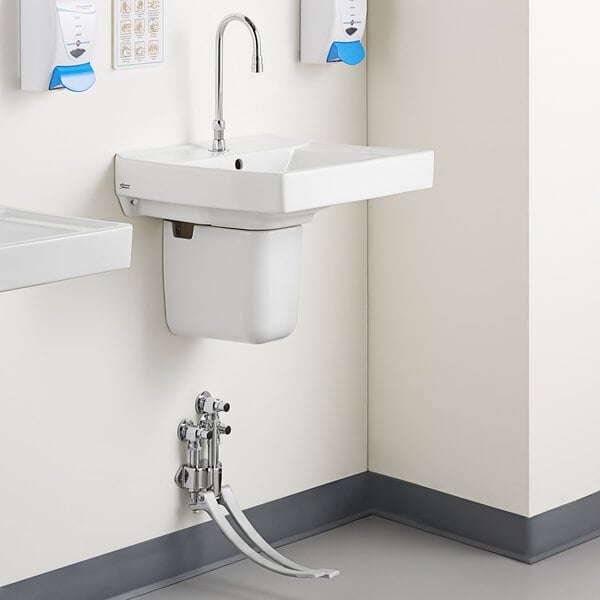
[(202, 478)]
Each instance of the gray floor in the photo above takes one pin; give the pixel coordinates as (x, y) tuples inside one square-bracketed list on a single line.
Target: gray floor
[(384, 560)]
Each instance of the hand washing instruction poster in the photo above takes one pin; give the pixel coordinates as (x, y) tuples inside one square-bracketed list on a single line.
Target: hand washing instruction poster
[(139, 33)]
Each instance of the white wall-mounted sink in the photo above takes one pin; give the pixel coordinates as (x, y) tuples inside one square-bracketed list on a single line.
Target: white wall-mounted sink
[(38, 248), (232, 231), (262, 182)]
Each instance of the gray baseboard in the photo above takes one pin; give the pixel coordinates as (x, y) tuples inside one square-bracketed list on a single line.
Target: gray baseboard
[(450, 516), (130, 572), (525, 539)]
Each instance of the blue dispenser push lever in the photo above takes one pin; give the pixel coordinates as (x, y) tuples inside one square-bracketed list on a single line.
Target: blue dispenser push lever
[(76, 79), (351, 53), (332, 31)]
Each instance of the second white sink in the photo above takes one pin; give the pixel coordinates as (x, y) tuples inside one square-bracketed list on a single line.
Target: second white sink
[(262, 182), (38, 248)]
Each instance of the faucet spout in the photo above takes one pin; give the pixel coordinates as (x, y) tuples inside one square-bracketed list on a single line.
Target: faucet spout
[(219, 144)]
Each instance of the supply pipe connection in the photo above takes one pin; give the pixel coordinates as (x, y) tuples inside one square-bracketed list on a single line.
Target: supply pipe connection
[(202, 477)]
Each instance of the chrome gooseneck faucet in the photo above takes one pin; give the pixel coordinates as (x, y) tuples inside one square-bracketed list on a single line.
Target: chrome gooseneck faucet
[(202, 477), (257, 67)]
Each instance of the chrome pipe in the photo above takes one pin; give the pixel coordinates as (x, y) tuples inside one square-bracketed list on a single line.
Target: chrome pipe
[(219, 144), (201, 477)]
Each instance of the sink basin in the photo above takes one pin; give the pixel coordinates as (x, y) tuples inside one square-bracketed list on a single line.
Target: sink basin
[(38, 248), (232, 222), (262, 182)]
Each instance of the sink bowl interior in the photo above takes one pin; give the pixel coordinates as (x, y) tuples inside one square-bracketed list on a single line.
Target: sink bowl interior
[(286, 159), (13, 231)]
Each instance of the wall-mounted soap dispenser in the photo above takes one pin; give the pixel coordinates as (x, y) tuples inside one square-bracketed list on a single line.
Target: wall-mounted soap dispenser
[(57, 43), (332, 31)]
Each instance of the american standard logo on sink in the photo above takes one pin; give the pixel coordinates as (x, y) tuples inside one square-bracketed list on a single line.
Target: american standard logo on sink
[(124, 186)]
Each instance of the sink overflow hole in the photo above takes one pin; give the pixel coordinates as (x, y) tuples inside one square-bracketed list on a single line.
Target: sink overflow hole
[(239, 164)]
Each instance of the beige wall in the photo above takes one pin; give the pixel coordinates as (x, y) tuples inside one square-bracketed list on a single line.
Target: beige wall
[(448, 268), (565, 252), (92, 385)]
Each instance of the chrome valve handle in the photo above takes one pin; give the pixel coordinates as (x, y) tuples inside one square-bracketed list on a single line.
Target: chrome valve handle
[(206, 404), (188, 431)]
